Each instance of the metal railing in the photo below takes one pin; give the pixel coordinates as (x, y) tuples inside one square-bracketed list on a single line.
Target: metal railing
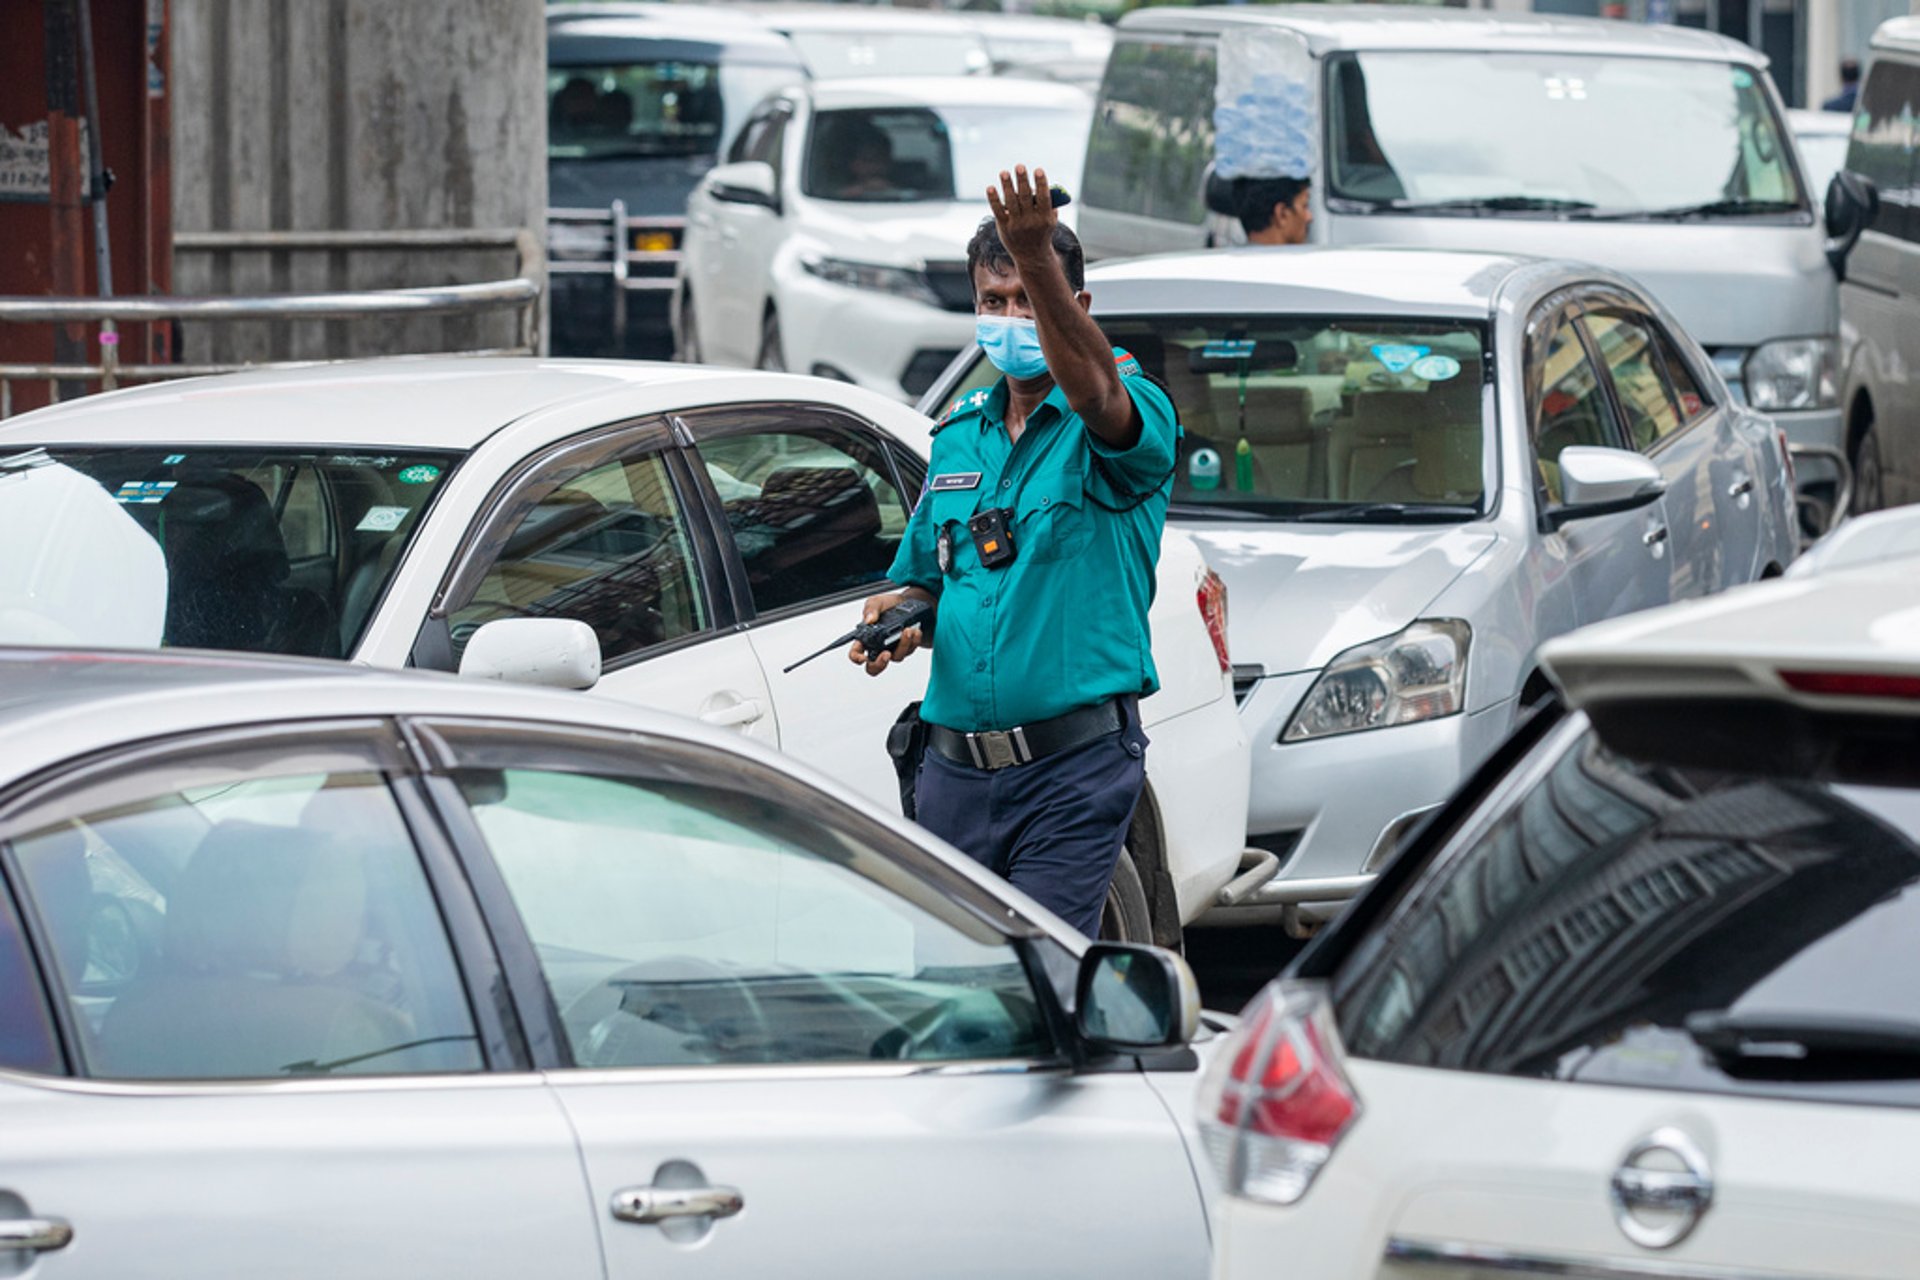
[(520, 294), (606, 242)]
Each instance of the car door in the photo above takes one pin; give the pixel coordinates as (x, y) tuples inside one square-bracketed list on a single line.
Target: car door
[(792, 1043), (1713, 517), (736, 276), (812, 504), (1614, 563), (607, 529), (269, 1043)]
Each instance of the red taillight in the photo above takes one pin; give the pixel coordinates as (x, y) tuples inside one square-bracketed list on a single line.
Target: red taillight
[(1786, 457), (1278, 1101), (1213, 609), (1852, 684)]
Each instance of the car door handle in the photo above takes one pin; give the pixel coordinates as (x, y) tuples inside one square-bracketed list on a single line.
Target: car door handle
[(745, 711), (34, 1235), (660, 1204), (1740, 488), (1654, 537)]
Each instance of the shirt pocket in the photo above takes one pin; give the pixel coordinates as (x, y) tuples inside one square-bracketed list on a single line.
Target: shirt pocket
[(1051, 521)]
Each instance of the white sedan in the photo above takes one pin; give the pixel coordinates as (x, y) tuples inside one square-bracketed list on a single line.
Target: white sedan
[(711, 528), (308, 972), (1642, 1001), (834, 242)]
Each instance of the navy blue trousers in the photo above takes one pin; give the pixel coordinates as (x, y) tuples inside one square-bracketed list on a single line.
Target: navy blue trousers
[(1054, 828)]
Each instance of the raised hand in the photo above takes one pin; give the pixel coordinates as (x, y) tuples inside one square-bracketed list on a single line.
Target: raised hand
[(1023, 211)]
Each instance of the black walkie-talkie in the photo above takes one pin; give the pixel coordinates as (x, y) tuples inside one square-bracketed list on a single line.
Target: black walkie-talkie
[(881, 634)]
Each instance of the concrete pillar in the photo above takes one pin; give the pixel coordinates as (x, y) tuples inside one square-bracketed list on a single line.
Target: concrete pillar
[(354, 115)]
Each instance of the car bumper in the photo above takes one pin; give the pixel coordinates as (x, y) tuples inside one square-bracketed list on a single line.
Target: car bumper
[(891, 345)]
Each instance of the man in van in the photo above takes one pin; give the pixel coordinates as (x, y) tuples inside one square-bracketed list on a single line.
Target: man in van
[(1273, 210)]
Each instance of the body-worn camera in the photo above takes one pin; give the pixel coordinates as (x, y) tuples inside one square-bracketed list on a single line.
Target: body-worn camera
[(992, 538)]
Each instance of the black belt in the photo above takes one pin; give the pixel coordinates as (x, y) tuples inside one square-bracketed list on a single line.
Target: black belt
[(1023, 744)]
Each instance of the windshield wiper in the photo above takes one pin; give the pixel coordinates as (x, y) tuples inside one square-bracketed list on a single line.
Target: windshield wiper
[(1751, 1039), (1710, 209), (1208, 510), (1388, 513), (1487, 204)]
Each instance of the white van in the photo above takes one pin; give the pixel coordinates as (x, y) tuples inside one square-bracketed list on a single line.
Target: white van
[(1653, 150)]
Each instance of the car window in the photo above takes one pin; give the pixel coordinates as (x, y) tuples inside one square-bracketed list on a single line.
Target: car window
[(747, 144), (1651, 892), (607, 546), (1631, 348), (679, 924), (665, 108), (813, 507), (1882, 147), (228, 917), (27, 1040), (1570, 405), (1152, 135)]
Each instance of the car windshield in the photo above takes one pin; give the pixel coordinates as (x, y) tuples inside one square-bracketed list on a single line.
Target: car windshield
[(1553, 132), (908, 154), (1717, 897), (1821, 156), (633, 109), (834, 55), (225, 547)]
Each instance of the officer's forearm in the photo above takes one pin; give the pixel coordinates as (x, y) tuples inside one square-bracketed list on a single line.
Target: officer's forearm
[(1077, 353)]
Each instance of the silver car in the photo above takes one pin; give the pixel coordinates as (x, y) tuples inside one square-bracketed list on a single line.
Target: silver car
[(309, 971), (1412, 467)]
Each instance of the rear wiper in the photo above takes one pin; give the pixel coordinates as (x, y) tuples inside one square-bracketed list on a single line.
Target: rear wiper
[(1710, 209), (1759, 1038), (1489, 204), (1387, 513)]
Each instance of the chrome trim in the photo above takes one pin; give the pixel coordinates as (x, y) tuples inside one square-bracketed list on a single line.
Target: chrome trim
[(648, 1205), (1285, 892), (596, 1077), (1257, 867), (1687, 1191), (301, 1084), (34, 1235), (1454, 1255)]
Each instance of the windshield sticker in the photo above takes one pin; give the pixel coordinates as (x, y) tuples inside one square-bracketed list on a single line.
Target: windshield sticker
[(375, 461), (1203, 469), (381, 520), (1228, 349), (421, 474), (173, 459), (1742, 78), (1436, 368), (143, 492), (1398, 357)]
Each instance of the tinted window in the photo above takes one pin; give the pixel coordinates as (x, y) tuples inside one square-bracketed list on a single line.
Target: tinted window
[(607, 547), (633, 109), (888, 155), (1152, 135), (1631, 348), (27, 1040), (1643, 902), (1883, 142), (813, 509), (1570, 404), (220, 922), (679, 924)]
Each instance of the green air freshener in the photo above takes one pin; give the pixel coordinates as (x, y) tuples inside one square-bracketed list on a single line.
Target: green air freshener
[(1243, 466)]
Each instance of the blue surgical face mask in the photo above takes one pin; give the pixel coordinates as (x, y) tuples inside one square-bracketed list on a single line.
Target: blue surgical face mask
[(1012, 345)]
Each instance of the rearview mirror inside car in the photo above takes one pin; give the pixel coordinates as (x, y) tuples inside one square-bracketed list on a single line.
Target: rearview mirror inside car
[(1596, 481), (559, 653), (1243, 355), (1853, 202), (1132, 998), (745, 182)]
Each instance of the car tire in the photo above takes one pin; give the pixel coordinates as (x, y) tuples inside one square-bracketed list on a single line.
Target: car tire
[(689, 352), (771, 356), (1126, 917), (1868, 479)]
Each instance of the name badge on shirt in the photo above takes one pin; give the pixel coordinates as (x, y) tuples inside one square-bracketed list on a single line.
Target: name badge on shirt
[(956, 480)]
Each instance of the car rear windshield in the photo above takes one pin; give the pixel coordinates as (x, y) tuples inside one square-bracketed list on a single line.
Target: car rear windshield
[(633, 109), (1720, 898), (1555, 132), (906, 154), (263, 550)]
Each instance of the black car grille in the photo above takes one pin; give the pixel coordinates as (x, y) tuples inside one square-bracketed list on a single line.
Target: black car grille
[(951, 284)]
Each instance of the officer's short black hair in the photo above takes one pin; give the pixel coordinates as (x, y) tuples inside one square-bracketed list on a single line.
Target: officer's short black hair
[(1254, 198), (986, 250)]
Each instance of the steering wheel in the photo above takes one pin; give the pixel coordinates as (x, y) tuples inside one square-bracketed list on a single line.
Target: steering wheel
[(698, 998)]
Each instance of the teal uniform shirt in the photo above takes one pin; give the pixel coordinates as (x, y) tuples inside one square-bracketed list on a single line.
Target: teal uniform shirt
[(1064, 625)]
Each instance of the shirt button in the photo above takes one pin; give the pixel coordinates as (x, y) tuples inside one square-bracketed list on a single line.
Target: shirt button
[(980, 665), (1006, 484), (986, 599), (1045, 501)]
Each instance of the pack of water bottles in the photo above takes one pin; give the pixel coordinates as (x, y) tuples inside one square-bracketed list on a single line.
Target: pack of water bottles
[(1263, 115)]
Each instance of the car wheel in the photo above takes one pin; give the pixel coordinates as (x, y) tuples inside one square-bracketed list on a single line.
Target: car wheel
[(1126, 917), (1867, 477), (770, 354), (689, 352)]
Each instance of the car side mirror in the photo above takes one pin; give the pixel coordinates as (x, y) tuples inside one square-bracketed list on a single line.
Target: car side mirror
[(559, 653), (1596, 481), (745, 182), (1853, 202), (1134, 998)]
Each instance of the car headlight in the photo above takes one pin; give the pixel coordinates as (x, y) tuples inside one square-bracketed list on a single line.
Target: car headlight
[(1792, 373), (901, 282), (1419, 674)]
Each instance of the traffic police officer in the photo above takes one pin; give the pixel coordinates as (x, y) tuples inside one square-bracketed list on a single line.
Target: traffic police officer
[(1037, 535)]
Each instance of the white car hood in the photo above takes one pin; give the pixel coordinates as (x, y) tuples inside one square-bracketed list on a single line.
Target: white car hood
[(902, 235), (1299, 594)]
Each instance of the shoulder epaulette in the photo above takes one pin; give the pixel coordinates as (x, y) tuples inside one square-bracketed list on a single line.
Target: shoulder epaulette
[(1124, 362), (971, 402)]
